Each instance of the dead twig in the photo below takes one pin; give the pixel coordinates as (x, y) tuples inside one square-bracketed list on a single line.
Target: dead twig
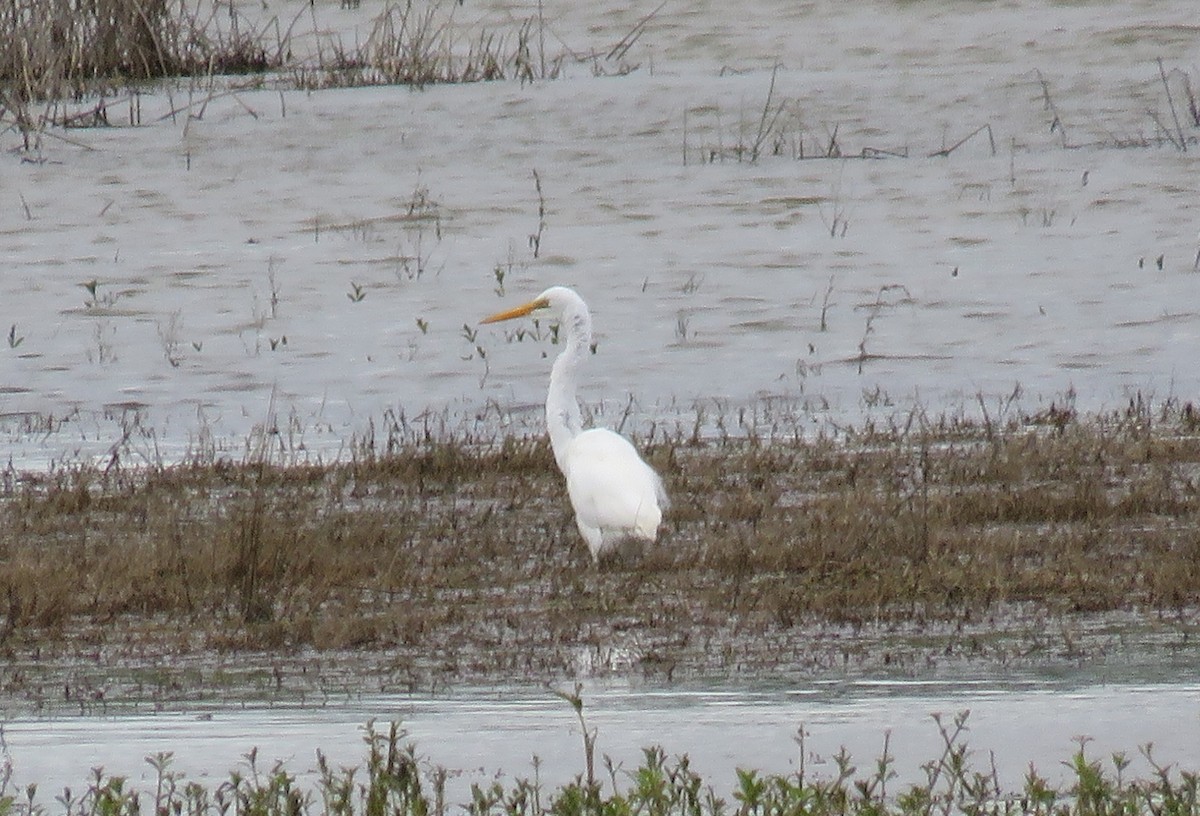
[(946, 151), (764, 126), (833, 151), (618, 51), (213, 95), (1048, 104), (1182, 143)]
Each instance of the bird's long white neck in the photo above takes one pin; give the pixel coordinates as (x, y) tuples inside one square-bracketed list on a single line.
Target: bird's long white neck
[(563, 418)]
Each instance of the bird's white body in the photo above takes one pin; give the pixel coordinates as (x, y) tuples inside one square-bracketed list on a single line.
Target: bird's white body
[(615, 494)]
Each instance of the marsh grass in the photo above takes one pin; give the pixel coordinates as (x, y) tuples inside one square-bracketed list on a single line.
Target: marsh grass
[(59, 50), (70, 65), (394, 778), (458, 557), (779, 129), (55, 49), (420, 45)]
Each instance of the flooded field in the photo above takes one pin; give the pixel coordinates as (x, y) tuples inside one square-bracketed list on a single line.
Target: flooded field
[(485, 735), (314, 262), (898, 296)]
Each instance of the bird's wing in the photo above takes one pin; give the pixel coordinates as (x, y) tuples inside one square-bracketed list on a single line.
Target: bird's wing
[(611, 487)]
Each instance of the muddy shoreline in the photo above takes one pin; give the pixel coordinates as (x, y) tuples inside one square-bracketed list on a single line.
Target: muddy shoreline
[(1130, 647)]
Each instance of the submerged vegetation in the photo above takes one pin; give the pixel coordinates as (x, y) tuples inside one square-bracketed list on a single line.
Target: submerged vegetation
[(395, 779), (457, 559)]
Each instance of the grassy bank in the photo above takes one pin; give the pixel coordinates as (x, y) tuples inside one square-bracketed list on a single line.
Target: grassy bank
[(459, 559), (393, 778)]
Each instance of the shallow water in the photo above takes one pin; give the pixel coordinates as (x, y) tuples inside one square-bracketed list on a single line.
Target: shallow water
[(226, 254), (485, 733)]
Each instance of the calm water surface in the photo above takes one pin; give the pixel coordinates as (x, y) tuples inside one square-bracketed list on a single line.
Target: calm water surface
[(483, 734), (1003, 276)]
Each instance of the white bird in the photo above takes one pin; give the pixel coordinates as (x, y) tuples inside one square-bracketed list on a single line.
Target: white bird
[(615, 494)]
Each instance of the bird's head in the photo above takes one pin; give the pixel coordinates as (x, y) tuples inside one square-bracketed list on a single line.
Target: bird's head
[(555, 300)]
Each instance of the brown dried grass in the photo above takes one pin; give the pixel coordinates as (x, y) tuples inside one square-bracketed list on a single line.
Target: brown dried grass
[(63, 49), (53, 49), (463, 557)]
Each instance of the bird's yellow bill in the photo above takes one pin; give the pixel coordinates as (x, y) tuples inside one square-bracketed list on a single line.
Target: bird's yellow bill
[(519, 311)]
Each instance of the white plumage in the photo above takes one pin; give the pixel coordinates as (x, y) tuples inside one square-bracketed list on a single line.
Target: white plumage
[(615, 494)]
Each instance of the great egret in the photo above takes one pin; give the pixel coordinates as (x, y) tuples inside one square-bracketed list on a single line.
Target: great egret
[(616, 495)]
